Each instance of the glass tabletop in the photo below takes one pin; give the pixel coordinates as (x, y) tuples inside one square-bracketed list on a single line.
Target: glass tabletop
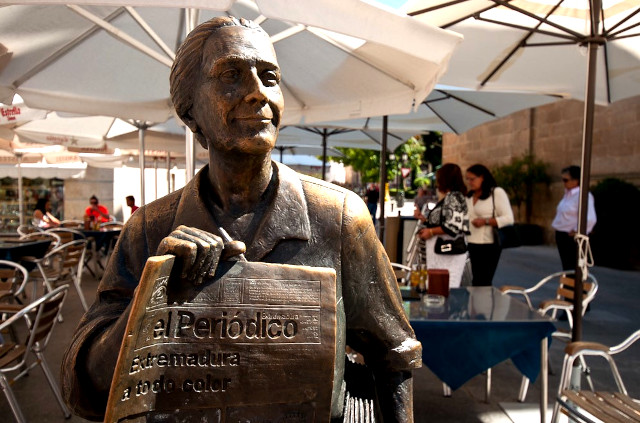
[(471, 304)]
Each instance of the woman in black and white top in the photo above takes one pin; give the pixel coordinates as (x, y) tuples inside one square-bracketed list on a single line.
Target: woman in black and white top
[(448, 220), (489, 207)]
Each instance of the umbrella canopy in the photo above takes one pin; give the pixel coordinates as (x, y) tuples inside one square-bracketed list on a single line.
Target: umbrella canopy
[(541, 46), (339, 59), (558, 46), (451, 110)]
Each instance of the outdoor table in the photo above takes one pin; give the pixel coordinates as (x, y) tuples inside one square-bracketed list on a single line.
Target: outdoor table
[(475, 329), (15, 249)]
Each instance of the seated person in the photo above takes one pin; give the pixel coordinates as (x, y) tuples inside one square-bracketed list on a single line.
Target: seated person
[(42, 216), (96, 211)]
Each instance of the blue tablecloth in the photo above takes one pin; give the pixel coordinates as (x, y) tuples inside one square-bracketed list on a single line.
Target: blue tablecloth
[(461, 339)]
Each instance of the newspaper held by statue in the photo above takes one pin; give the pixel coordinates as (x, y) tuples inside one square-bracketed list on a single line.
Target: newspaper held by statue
[(255, 343)]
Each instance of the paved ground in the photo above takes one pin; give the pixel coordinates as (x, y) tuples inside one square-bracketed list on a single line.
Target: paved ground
[(614, 315)]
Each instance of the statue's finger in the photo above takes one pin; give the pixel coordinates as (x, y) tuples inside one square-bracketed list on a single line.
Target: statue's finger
[(203, 258), (216, 248), (232, 249)]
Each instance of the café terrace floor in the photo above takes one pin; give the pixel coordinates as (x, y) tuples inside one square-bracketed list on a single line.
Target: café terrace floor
[(613, 316)]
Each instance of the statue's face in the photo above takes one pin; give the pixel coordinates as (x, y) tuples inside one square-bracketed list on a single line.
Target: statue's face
[(238, 102)]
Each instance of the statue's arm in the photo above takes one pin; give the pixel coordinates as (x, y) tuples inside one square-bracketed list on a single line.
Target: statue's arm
[(377, 326)]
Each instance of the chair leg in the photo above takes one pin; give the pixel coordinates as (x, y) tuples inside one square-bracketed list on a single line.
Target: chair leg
[(76, 282), (487, 394), (446, 391), (524, 387), (13, 403), (52, 382)]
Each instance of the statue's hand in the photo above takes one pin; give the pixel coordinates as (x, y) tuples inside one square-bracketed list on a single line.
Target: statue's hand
[(199, 251)]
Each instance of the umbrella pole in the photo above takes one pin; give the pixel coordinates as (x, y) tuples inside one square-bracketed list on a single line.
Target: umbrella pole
[(324, 153), (155, 168), (20, 192), (141, 129), (168, 172), (383, 175), (587, 141), (191, 17)]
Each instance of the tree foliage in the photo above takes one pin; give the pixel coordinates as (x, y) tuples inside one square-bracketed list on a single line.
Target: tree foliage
[(518, 178), (367, 162)]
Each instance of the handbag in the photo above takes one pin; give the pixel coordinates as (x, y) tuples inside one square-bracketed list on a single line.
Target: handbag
[(450, 246), (507, 236)]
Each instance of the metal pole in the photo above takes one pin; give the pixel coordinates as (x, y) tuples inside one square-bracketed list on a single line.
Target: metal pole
[(155, 168), (383, 175), (20, 191), (191, 17), (168, 172), (324, 153), (141, 129), (587, 141)]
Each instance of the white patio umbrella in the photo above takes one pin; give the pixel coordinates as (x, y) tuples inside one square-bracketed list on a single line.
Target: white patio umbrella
[(557, 47), (339, 58), (29, 160)]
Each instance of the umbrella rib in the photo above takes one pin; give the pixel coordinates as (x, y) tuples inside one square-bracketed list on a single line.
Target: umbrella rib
[(62, 51), (610, 32), (518, 46), (452, 3), (323, 36), (615, 34), (624, 36), (544, 20), (150, 32), (445, 121), (121, 35), (463, 101)]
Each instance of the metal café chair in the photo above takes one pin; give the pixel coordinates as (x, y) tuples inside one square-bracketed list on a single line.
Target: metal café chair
[(562, 301), (589, 406), (13, 281), (63, 264), (36, 321)]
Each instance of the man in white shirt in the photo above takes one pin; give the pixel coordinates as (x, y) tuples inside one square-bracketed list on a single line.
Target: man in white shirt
[(566, 220)]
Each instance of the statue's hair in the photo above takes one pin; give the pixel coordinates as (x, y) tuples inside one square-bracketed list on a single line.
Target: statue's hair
[(188, 62)]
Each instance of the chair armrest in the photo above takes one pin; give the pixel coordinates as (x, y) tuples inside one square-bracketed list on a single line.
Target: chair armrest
[(547, 305), (585, 348), (512, 289)]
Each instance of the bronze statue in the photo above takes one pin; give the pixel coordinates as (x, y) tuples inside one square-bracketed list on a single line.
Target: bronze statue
[(225, 86)]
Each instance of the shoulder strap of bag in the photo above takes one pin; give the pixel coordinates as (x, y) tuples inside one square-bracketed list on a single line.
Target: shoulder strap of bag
[(493, 200)]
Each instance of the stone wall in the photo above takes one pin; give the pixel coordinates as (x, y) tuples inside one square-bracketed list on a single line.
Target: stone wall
[(553, 133), (98, 182)]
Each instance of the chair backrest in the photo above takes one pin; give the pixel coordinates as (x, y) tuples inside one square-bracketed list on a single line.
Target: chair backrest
[(67, 234), (44, 236), (566, 288), (41, 316), (75, 251), (13, 279), (27, 229)]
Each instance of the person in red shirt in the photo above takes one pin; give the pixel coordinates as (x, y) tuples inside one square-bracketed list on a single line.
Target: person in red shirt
[(131, 202), (97, 212)]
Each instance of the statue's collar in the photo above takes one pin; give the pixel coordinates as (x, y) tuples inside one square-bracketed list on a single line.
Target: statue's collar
[(285, 218)]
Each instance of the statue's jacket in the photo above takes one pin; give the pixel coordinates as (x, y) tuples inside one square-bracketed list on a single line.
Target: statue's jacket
[(309, 222)]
